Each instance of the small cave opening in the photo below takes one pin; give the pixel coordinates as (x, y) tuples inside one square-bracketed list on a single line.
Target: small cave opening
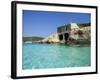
[(60, 37), (66, 35)]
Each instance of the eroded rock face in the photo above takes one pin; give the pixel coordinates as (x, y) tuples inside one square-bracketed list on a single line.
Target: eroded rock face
[(80, 31), (80, 34), (52, 38)]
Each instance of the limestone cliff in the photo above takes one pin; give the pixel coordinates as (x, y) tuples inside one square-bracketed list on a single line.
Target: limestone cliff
[(51, 38)]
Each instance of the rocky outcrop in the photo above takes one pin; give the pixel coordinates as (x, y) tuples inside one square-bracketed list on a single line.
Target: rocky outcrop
[(52, 38), (72, 33), (79, 34)]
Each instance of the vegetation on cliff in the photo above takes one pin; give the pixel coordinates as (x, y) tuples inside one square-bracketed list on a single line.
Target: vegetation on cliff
[(32, 38)]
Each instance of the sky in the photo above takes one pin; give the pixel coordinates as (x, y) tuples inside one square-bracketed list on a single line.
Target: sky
[(44, 23)]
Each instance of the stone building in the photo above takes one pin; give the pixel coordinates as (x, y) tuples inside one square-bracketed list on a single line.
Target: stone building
[(64, 32)]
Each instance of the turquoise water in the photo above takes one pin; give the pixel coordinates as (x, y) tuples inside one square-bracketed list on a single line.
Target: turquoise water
[(38, 56)]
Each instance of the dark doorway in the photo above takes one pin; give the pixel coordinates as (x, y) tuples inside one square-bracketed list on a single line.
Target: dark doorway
[(60, 37), (66, 35)]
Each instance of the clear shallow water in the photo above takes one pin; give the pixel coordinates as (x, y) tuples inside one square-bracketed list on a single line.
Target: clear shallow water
[(38, 56)]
